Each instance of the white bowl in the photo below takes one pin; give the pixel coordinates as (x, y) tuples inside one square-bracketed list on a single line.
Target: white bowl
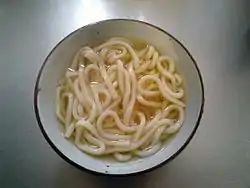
[(59, 59)]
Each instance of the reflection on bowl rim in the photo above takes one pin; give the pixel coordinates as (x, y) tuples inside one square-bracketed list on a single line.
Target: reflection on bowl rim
[(37, 89)]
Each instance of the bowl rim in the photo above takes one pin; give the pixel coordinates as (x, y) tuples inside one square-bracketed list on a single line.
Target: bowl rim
[(53, 146)]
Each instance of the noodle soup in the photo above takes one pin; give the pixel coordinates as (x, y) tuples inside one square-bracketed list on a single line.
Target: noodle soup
[(122, 98)]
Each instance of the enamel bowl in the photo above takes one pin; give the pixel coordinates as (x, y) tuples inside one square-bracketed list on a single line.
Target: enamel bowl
[(59, 59)]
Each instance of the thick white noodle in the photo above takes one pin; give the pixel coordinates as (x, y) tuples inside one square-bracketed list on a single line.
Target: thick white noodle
[(168, 73), (80, 97), (90, 149), (154, 60), (85, 89), (69, 108), (122, 157), (106, 98), (94, 58), (116, 55), (71, 73), (97, 100), (77, 114), (69, 130), (150, 52), (177, 125), (148, 103), (120, 76), (147, 92), (141, 127), (74, 63), (58, 105), (157, 135), (83, 125), (178, 79), (143, 139), (127, 89), (129, 109), (119, 124), (143, 67), (122, 43), (179, 94), (165, 93), (90, 68), (148, 151)]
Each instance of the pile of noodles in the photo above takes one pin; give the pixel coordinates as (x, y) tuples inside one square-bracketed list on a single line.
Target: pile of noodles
[(120, 101)]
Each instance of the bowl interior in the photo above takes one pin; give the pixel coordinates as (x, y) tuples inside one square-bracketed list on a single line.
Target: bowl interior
[(60, 58)]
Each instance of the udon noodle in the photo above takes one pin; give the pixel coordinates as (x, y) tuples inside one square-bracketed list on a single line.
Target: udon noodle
[(119, 100)]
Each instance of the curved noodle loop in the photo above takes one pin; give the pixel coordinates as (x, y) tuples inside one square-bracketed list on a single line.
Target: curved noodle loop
[(120, 99)]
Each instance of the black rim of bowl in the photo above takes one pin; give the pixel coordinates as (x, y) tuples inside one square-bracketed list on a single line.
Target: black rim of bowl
[(37, 89)]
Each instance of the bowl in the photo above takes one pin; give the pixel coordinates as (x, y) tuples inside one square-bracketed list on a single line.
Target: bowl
[(58, 61)]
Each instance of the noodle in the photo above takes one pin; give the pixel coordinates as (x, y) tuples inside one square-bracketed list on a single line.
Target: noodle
[(120, 101)]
